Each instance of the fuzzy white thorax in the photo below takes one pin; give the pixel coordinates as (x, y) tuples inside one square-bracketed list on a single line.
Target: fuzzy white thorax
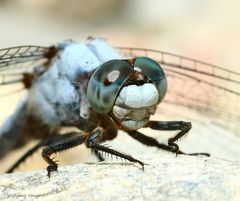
[(56, 86)]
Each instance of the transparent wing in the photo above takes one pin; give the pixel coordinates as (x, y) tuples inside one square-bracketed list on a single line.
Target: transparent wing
[(9, 57), (209, 89), (16, 62)]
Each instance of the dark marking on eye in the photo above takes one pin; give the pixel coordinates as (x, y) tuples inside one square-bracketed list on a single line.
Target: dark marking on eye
[(106, 82), (98, 93), (106, 99)]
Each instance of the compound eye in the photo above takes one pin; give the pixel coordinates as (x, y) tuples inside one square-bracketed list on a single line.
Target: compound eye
[(149, 68), (154, 72), (105, 84)]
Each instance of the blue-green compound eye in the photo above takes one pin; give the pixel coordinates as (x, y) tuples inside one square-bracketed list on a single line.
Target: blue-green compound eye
[(154, 72), (108, 79), (105, 84)]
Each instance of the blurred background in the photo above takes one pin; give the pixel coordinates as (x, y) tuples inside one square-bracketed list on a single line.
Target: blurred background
[(205, 30)]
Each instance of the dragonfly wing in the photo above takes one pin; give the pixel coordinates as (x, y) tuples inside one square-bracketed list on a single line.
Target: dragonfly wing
[(10, 58), (18, 63), (209, 89)]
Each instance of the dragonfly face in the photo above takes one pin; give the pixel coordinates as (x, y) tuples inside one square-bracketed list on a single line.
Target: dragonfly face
[(97, 89), (128, 90)]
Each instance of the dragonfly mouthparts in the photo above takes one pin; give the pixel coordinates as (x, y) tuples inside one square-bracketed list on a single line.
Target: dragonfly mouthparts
[(135, 104)]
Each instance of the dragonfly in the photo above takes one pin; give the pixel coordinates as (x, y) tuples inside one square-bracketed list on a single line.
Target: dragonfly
[(100, 89)]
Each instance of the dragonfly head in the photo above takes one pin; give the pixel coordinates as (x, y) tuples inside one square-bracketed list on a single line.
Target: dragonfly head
[(128, 90)]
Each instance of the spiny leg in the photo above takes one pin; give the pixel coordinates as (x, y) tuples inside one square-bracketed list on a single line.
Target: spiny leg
[(149, 141), (98, 155), (109, 133), (183, 126), (44, 142), (58, 146), (95, 137)]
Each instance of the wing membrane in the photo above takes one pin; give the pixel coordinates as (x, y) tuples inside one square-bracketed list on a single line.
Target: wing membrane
[(15, 62), (209, 89), (21, 54)]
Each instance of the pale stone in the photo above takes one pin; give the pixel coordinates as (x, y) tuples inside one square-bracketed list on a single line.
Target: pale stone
[(165, 178)]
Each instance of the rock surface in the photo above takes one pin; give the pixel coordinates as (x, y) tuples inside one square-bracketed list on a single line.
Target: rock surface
[(165, 178)]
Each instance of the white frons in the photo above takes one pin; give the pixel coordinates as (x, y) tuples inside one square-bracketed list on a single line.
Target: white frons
[(134, 96)]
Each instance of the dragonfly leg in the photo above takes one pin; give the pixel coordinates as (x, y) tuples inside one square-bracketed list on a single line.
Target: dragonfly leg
[(24, 157), (95, 137), (184, 127), (58, 145), (44, 142), (98, 155), (109, 133), (149, 141)]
